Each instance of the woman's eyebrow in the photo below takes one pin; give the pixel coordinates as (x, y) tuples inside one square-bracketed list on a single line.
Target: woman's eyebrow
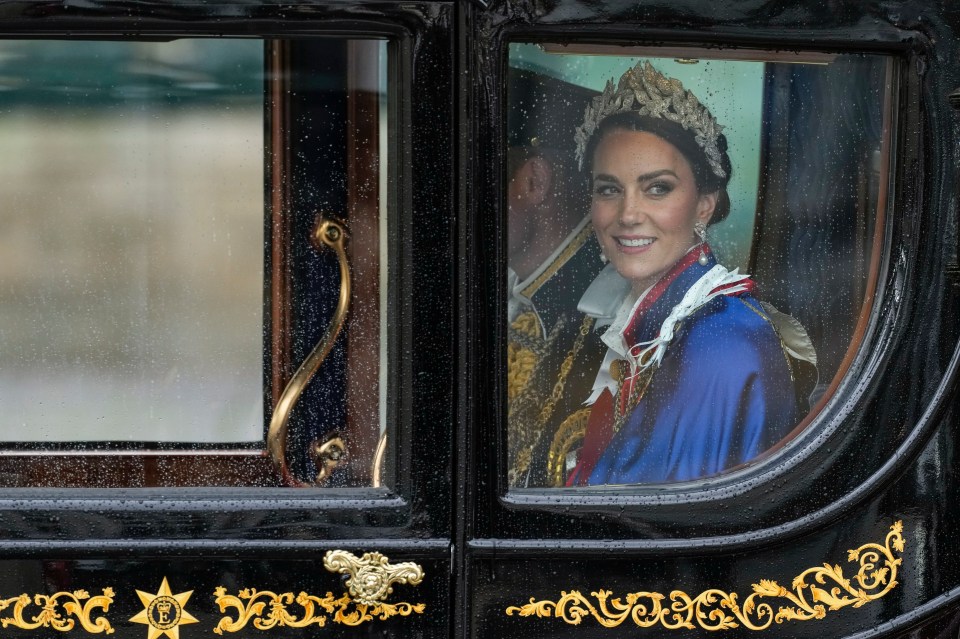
[(603, 177), (656, 174)]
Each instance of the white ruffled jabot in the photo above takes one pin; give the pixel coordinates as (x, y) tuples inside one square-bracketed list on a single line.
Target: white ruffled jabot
[(646, 354), (609, 300)]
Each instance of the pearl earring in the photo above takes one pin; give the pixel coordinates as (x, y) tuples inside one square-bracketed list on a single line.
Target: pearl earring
[(700, 228)]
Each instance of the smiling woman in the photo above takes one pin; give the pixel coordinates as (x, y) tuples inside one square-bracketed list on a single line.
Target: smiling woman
[(669, 364), (698, 376), (646, 204)]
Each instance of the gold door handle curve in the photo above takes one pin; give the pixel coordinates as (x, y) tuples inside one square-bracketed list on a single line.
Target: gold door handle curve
[(371, 576), (331, 234), (376, 468)]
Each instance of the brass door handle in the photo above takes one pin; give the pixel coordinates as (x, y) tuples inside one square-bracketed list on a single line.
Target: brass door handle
[(333, 235), (371, 577)]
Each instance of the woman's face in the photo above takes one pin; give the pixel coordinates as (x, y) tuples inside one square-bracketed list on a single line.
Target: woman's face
[(645, 203)]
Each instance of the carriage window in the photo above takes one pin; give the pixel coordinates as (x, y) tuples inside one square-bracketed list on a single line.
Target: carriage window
[(163, 270), (693, 247)]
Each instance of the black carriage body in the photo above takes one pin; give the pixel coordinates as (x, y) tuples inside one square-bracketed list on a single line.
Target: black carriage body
[(871, 480)]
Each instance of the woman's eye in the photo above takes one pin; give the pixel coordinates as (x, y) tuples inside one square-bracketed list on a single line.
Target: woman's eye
[(660, 188), (605, 190)]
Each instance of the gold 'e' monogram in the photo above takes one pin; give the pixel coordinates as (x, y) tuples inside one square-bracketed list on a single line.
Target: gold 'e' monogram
[(163, 612)]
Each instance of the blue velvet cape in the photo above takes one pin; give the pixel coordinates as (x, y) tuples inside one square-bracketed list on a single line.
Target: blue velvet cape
[(722, 394)]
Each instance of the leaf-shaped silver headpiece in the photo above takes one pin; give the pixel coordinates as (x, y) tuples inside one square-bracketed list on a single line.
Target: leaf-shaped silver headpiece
[(648, 92)]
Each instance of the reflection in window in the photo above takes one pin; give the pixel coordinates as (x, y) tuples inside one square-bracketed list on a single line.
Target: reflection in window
[(639, 350), (132, 243)]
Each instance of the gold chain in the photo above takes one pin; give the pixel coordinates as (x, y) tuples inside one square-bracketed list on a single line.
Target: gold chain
[(637, 390)]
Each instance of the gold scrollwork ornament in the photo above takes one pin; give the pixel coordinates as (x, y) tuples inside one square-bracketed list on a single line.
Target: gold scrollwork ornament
[(715, 609), (251, 605), (371, 579), (78, 603)]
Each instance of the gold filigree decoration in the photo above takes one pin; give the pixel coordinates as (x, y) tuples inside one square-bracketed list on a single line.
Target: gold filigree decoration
[(78, 603), (715, 609), (268, 609), (371, 579)]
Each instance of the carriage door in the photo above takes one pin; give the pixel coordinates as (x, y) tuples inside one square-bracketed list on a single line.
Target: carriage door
[(625, 484), (226, 320)]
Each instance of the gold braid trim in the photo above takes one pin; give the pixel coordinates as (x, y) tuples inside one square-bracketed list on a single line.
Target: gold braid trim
[(571, 432), (527, 353), (639, 388), (524, 456), (522, 355)]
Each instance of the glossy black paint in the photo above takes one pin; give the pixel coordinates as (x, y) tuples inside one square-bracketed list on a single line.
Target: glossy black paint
[(885, 449)]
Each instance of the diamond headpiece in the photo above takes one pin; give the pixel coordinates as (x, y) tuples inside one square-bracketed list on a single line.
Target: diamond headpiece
[(648, 92)]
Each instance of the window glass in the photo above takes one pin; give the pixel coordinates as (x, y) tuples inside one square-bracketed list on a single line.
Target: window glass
[(132, 269), (676, 222), (160, 278)]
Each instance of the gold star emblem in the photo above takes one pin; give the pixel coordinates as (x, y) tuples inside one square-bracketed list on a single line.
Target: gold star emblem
[(163, 612)]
